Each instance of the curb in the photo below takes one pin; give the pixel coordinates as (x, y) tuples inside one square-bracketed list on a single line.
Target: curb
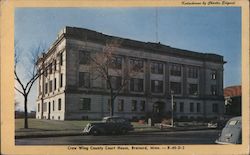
[(172, 130), (47, 135)]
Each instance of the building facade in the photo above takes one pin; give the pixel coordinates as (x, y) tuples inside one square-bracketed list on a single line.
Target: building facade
[(66, 89), (233, 103)]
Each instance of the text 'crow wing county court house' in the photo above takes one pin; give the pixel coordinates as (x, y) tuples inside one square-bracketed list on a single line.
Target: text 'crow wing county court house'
[(190, 81)]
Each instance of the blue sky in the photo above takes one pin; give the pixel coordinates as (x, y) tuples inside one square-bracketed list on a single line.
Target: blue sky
[(201, 29)]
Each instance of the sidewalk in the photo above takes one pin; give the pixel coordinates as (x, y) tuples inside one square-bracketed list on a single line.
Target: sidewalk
[(35, 133)]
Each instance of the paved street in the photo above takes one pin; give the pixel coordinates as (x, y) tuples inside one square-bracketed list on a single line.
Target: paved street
[(178, 137)]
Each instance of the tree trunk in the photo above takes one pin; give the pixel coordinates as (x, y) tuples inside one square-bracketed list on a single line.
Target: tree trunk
[(111, 106), (26, 112), (111, 102)]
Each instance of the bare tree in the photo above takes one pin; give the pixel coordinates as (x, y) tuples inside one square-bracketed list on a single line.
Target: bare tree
[(25, 84), (108, 65)]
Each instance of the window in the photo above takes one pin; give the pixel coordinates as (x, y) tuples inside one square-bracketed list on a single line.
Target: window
[(191, 107), (198, 107), (54, 65), (38, 107), (175, 70), (46, 88), (61, 80), (49, 105), (50, 86), (85, 104), (54, 83), (59, 104), (181, 107), (134, 105), (61, 58), (175, 87), (50, 68), (174, 106), (193, 72), (46, 72), (84, 79), (40, 89), (215, 108), (44, 107), (213, 90), (116, 62), (156, 68), (84, 57), (109, 104), (136, 85), (193, 89), (136, 65), (116, 82), (142, 106), (156, 86), (53, 105), (213, 75), (39, 73), (233, 122), (120, 104)]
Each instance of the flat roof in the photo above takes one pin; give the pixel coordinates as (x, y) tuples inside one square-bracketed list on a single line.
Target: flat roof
[(86, 34), (158, 48)]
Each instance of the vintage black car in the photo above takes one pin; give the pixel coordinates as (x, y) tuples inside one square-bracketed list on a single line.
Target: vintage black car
[(109, 125), (232, 132), (217, 124)]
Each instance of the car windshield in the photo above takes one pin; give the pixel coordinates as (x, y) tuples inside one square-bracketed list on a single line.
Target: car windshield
[(234, 122), (114, 120)]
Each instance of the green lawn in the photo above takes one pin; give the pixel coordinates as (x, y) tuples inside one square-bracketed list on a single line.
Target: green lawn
[(54, 125), (51, 124), (39, 127)]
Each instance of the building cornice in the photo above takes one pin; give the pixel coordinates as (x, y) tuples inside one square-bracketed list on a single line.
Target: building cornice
[(51, 50), (100, 38)]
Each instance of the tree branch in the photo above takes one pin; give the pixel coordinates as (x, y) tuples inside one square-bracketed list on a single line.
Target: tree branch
[(19, 91), (19, 81)]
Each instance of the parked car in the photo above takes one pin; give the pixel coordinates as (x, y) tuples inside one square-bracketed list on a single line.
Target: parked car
[(109, 125), (231, 133), (217, 124)]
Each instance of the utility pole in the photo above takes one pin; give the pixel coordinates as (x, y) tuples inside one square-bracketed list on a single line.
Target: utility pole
[(172, 105), (156, 24)]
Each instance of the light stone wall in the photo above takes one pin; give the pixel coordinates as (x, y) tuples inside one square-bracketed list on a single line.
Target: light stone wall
[(99, 107), (49, 113), (59, 91), (75, 68)]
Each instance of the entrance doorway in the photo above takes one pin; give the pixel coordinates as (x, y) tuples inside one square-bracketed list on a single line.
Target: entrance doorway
[(158, 107), (158, 111)]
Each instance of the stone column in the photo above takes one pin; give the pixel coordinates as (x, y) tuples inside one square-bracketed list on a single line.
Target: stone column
[(125, 73), (220, 82), (167, 84), (147, 77), (184, 80), (167, 87), (147, 85), (202, 81)]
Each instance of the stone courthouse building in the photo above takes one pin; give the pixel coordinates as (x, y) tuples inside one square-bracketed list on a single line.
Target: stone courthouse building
[(67, 91)]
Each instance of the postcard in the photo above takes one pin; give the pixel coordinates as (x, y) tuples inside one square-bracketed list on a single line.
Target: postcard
[(125, 77)]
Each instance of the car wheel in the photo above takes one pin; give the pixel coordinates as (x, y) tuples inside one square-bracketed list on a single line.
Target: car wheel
[(95, 132)]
